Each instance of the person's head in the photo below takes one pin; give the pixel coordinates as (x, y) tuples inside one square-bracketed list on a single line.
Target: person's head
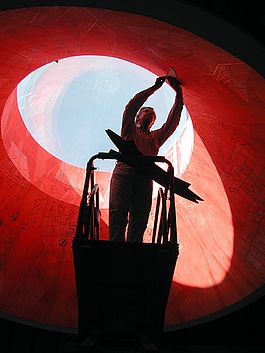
[(145, 118)]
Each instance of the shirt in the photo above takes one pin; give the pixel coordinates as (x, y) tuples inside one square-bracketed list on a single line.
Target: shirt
[(148, 143)]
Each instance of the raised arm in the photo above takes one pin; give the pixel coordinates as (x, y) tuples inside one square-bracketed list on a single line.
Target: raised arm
[(167, 129), (131, 109)]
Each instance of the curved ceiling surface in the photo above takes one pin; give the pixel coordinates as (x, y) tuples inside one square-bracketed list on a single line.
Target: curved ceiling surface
[(222, 247)]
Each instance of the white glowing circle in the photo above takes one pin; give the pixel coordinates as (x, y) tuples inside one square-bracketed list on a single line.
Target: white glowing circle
[(68, 105)]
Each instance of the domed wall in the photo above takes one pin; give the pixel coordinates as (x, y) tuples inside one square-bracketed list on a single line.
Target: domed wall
[(222, 247)]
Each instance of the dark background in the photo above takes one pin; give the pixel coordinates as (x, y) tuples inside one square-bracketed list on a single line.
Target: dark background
[(240, 331)]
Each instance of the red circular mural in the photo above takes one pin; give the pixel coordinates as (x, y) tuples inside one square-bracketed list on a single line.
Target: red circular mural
[(222, 247)]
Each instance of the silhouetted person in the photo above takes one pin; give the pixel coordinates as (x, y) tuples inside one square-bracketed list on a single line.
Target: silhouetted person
[(130, 191)]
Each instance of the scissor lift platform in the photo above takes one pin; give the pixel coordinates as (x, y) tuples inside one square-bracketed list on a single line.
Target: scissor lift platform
[(123, 287)]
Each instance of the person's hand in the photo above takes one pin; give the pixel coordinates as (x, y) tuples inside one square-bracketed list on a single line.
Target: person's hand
[(159, 81), (174, 83)]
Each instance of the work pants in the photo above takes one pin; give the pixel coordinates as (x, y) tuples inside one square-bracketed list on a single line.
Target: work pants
[(130, 204)]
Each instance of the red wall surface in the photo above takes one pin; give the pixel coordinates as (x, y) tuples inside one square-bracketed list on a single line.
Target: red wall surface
[(222, 246)]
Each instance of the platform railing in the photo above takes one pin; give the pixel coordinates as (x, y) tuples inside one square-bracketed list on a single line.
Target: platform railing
[(160, 225), (88, 223)]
